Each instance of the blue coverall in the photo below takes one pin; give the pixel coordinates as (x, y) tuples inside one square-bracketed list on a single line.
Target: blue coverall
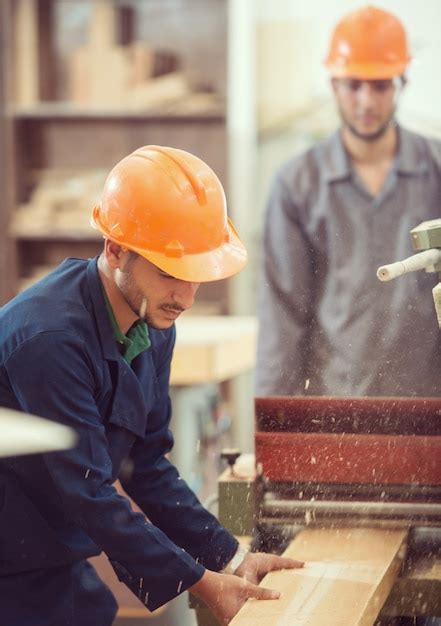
[(59, 360)]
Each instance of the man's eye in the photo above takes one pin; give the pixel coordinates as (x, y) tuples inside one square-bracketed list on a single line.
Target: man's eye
[(382, 85)]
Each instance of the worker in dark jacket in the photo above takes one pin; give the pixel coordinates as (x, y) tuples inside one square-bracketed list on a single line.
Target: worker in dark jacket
[(90, 346)]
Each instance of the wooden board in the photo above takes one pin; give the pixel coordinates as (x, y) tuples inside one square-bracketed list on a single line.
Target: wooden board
[(213, 348), (348, 575), (26, 52)]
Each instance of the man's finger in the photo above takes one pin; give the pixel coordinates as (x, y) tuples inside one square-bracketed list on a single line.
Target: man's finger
[(261, 593), (286, 563), (273, 562)]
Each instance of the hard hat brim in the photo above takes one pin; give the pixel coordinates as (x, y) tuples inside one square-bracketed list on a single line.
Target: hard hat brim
[(367, 71), (222, 262), (217, 264)]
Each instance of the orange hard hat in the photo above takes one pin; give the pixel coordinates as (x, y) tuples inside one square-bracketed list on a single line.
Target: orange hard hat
[(368, 44), (169, 206)]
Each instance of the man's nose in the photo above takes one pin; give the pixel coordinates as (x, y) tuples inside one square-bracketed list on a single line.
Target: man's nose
[(184, 293), (366, 93)]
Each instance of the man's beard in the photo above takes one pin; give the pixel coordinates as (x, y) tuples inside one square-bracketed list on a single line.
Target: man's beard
[(133, 297), (139, 302), (368, 137)]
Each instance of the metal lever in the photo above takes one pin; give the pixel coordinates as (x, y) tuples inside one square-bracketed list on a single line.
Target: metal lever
[(425, 260), (426, 240), (230, 455)]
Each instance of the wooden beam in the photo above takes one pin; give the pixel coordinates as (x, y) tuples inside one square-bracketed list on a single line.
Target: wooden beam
[(347, 577), (27, 85), (8, 263), (47, 54)]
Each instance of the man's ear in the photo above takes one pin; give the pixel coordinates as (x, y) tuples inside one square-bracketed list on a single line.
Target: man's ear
[(333, 82), (114, 254)]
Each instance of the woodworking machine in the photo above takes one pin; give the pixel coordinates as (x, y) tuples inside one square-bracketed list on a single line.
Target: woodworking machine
[(343, 462), (339, 461), (348, 462)]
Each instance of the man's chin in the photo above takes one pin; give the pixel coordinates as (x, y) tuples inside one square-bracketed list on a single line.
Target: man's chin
[(163, 319), (160, 324), (368, 134)]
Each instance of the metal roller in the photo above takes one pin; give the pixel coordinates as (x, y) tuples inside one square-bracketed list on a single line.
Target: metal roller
[(312, 511)]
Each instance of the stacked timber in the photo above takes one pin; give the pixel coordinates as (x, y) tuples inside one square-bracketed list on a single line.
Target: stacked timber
[(61, 202)]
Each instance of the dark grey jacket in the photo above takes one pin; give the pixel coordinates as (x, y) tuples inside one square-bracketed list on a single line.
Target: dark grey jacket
[(327, 324)]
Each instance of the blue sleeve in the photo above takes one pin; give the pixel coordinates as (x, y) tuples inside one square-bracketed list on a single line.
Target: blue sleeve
[(52, 376), (155, 485)]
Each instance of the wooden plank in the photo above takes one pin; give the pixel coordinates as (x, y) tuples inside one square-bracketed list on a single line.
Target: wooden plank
[(27, 84), (349, 458), (47, 62), (33, 38), (91, 83), (348, 575), (8, 260), (213, 348)]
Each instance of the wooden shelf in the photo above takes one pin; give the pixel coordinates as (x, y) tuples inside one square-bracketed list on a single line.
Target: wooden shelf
[(183, 106), (57, 235), (65, 110)]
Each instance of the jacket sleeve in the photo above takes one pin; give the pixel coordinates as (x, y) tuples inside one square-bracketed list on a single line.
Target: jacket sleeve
[(285, 298), (52, 376), (157, 488)]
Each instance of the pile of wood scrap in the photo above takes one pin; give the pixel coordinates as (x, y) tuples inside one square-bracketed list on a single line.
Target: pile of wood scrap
[(104, 73), (61, 201), (136, 76)]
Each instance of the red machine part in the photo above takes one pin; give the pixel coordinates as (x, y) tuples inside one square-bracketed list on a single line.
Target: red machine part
[(349, 458), (390, 441)]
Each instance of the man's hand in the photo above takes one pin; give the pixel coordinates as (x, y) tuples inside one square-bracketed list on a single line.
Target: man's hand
[(225, 594), (257, 564)]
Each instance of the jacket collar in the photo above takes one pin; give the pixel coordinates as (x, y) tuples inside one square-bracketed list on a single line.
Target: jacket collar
[(336, 161), (410, 158), (104, 326)]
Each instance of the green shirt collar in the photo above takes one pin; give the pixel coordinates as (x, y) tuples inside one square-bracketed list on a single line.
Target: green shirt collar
[(137, 339)]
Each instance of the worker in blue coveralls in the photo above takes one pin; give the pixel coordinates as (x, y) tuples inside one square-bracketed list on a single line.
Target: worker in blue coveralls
[(90, 346)]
